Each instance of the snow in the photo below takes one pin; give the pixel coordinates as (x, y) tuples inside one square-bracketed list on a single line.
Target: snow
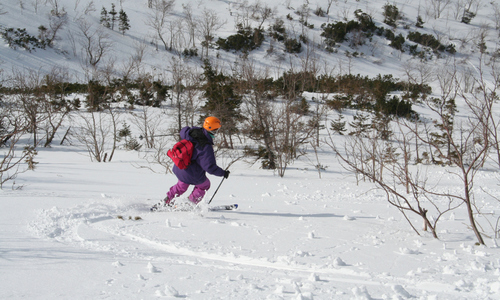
[(290, 239), (296, 237)]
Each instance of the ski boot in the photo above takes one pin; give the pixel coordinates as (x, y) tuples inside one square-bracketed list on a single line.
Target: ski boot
[(162, 204)]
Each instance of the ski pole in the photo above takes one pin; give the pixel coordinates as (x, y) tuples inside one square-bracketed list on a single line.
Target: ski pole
[(158, 135), (216, 190)]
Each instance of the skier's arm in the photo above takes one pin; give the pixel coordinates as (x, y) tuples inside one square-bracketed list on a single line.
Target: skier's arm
[(206, 159)]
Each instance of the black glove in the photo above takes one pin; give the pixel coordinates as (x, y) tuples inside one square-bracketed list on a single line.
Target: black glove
[(226, 174)]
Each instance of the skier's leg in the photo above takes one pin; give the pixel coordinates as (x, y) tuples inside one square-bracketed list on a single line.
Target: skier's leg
[(199, 191), (176, 190)]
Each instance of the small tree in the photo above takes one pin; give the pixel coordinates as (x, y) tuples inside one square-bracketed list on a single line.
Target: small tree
[(360, 125), (95, 43), (464, 144), (31, 100), (338, 125), (157, 158), (113, 17), (280, 123), (124, 23), (391, 15), (12, 127), (178, 76), (57, 19), (437, 7), (420, 22), (56, 107), (408, 192), (481, 100), (291, 132), (95, 131), (114, 115), (185, 93), (329, 5), (157, 18), (468, 16), (105, 21), (98, 96), (191, 24), (147, 122), (207, 26), (222, 100), (94, 134)]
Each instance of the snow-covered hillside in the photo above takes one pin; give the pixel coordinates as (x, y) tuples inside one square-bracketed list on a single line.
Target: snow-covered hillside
[(80, 23)]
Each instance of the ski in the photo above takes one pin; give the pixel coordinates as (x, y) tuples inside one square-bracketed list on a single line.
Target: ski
[(136, 218), (173, 207), (224, 207), (181, 207)]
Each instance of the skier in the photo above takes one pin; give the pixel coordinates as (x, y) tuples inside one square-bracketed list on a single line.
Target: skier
[(202, 161)]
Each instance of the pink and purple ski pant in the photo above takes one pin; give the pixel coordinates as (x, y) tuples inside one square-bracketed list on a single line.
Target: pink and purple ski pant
[(197, 194)]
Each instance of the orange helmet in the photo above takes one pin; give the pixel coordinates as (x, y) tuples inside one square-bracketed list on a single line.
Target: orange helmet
[(211, 124)]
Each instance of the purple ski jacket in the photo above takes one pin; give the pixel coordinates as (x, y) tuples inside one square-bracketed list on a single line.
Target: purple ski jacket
[(203, 159)]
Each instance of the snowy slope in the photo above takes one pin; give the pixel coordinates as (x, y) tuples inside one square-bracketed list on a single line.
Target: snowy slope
[(374, 57), (298, 237)]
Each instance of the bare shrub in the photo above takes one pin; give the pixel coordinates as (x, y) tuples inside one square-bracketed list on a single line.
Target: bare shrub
[(409, 192), (147, 121), (461, 145), (97, 132), (158, 18), (185, 93), (95, 43), (13, 125), (207, 25)]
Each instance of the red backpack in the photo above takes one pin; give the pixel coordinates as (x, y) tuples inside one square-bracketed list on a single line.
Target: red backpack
[(181, 154)]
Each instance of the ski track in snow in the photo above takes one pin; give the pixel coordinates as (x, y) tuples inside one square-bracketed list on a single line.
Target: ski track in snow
[(94, 226)]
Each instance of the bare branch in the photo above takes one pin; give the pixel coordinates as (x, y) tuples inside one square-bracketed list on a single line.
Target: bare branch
[(95, 43)]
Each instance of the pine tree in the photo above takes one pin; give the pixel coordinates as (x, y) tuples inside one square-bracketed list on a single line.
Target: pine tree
[(105, 18), (113, 13), (42, 35), (222, 100), (123, 20), (360, 125), (381, 125), (338, 125), (420, 23)]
